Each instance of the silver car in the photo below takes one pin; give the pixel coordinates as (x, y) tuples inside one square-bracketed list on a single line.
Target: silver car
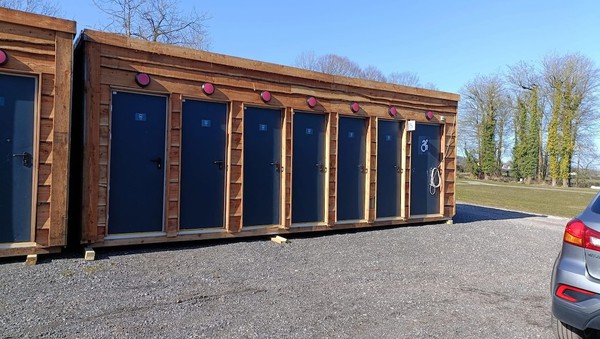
[(576, 277)]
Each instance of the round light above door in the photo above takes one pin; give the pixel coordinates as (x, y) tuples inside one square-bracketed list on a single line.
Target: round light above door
[(142, 79)]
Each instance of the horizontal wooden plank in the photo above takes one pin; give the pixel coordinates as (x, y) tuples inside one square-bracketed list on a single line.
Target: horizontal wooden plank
[(43, 216), (45, 153), (44, 194), (45, 174), (37, 21), (299, 75)]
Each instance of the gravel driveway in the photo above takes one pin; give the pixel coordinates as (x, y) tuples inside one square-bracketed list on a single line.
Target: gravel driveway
[(486, 276)]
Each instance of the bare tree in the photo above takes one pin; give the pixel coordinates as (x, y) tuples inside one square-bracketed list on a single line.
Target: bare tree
[(404, 78), (338, 65), (307, 60), (373, 73), (45, 7), (157, 20)]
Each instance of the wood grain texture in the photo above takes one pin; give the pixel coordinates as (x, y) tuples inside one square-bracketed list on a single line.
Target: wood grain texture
[(180, 72)]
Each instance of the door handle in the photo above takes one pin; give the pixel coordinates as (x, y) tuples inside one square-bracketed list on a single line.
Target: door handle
[(363, 169), (322, 168), (158, 162), (220, 163), (27, 158), (278, 167), (398, 169)]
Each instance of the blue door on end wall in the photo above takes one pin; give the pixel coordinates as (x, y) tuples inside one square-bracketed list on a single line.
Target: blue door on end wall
[(17, 112), (352, 169), (262, 166), (203, 138), (137, 163), (425, 162)]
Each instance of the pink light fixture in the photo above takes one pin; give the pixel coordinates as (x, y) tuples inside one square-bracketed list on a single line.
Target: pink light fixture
[(392, 111), (142, 79), (429, 115), (355, 107), (3, 57), (265, 96), (311, 102), (208, 88)]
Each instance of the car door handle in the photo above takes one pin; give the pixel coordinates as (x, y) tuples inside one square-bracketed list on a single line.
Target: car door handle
[(27, 158)]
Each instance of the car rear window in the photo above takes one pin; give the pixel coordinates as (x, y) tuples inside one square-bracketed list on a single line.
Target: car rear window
[(596, 205)]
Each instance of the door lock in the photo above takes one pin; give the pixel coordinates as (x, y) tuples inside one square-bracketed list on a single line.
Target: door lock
[(158, 162), (363, 169), (27, 158), (322, 168), (278, 167), (220, 163)]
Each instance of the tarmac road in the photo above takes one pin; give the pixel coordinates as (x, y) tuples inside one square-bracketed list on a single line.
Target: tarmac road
[(485, 276)]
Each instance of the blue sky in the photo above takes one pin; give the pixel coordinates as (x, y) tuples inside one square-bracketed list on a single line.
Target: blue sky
[(446, 43)]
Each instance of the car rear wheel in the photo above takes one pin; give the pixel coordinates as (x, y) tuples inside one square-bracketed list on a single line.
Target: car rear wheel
[(564, 331)]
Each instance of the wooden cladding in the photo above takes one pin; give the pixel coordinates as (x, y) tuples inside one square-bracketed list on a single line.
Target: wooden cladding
[(110, 62), (42, 47)]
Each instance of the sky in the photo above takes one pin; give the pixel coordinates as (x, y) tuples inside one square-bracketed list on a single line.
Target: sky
[(446, 43)]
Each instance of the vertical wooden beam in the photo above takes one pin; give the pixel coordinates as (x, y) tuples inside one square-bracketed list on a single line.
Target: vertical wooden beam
[(91, 142), (408, 173), (403, 176), (61, 142), (287, 166), (236, 161), (442, 168), (333, 152), (372, 194), (173, 164)]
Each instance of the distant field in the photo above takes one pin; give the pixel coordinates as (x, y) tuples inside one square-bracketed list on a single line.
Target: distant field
[(564, 202)]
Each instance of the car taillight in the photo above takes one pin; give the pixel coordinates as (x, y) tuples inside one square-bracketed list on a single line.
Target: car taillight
[(578, 234), (572, 294)]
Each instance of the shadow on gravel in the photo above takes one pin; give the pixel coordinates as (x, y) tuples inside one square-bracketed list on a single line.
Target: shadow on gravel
[(470, 213)]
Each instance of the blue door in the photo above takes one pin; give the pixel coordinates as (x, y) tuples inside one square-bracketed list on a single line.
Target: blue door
[(17, 112), (137, 163), (351, 170), (425, 162), (262, 166), (389, 169), (309, 168), (203, 137)]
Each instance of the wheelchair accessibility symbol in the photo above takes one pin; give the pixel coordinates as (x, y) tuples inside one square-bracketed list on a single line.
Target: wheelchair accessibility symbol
[(424, 145)]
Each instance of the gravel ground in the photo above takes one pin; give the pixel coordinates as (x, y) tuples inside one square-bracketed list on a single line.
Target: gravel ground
[(486, 276)]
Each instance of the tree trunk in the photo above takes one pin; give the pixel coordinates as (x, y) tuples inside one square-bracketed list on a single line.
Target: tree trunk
[(553, 182), (565, 182)]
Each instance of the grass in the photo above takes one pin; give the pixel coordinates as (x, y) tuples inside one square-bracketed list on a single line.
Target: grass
[(557, 201)]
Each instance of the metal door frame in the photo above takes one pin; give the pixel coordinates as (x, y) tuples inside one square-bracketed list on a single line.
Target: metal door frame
[(402, 160), (326, 145), (226, 173), (167, 97), (36, 153), (282, 111), (366, 187)]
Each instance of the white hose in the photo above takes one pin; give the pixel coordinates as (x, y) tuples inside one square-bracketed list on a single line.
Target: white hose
[(435, 180)]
